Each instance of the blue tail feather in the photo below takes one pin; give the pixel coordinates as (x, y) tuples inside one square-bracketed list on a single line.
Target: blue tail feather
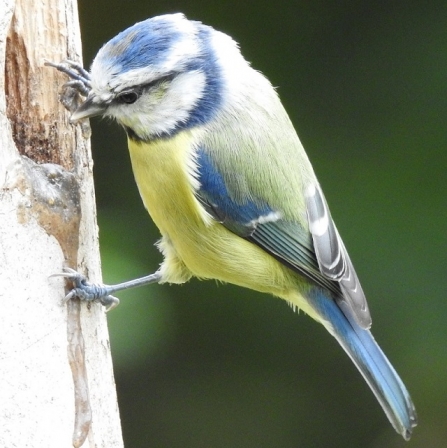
[(370, 360)]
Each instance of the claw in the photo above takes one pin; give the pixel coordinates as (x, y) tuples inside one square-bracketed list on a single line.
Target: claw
[(67, 273), (69, 296), (78, 86), (110, 302)]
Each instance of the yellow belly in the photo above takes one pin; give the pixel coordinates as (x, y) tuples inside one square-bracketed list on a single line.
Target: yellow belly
[(192, 241)]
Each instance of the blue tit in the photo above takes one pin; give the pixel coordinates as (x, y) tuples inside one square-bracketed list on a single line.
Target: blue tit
[(225, 178)]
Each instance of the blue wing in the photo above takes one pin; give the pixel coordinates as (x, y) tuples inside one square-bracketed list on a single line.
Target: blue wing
[(261, 224)]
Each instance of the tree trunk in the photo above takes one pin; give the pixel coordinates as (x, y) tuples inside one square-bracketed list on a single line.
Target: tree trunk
[(57, 386)]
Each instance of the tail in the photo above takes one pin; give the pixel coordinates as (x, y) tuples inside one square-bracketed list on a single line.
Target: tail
[(372, 363)]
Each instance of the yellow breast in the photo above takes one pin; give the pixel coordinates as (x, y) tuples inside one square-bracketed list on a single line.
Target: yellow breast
[(164, 172)]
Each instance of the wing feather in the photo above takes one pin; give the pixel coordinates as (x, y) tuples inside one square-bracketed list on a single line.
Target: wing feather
[(333, 259)]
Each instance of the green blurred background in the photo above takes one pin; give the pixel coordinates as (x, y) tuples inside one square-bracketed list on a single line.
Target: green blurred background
[(214, 366)]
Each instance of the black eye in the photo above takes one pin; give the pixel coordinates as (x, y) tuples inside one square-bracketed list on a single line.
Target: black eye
[(128, 97)]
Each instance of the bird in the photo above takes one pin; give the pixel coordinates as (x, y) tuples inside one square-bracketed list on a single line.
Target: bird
[(225, 178)]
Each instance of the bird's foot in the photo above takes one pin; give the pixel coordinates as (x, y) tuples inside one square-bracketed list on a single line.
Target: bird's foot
[(75, 90), (88, 292)]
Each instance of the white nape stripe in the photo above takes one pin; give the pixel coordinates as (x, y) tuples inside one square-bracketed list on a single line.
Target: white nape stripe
[(183, 51)]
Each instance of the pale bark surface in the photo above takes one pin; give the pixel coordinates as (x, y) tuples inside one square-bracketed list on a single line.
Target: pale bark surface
[(57, 386)]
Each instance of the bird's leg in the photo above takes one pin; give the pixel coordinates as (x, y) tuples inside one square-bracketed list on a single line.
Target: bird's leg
[(101, 293)]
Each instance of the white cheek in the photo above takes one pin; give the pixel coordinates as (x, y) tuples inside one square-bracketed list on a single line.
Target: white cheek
[(183, 95), (160, 112)]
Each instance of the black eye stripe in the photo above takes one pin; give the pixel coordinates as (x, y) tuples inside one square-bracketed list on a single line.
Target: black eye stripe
[(155, 82), (131, 95)]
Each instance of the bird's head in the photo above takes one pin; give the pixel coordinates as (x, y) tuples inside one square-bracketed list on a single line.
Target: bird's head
[(160, 76)]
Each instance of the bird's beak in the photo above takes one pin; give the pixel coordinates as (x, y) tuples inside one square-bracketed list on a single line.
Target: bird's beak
[(91, 107)]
